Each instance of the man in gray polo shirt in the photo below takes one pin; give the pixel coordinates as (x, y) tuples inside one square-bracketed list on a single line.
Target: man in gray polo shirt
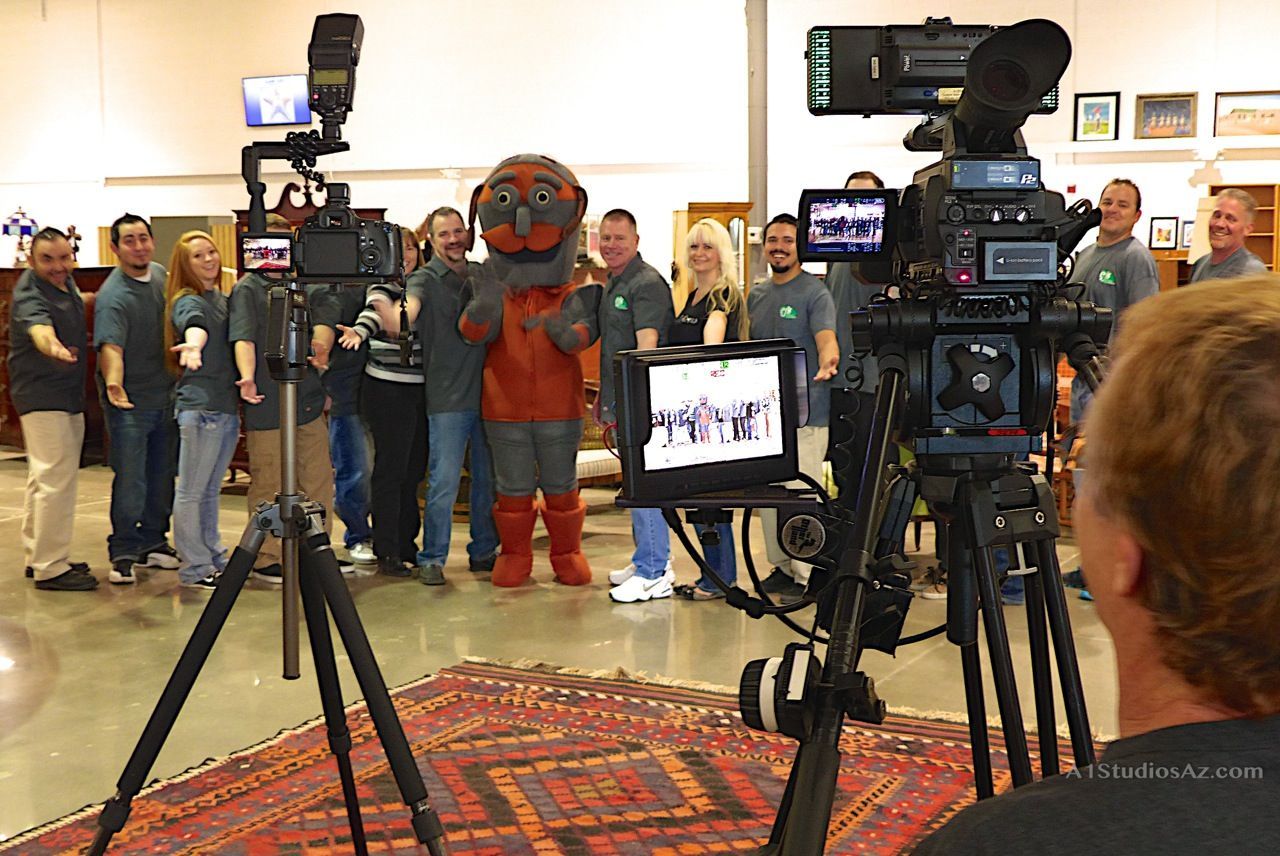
[(47, 341), (635, 312), (128, 331), (1116, 272), (795, 305), (247, 329), (453, 370), (1229, 225)]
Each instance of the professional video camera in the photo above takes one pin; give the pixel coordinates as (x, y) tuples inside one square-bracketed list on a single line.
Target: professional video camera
[(976, 244), (978, 251)]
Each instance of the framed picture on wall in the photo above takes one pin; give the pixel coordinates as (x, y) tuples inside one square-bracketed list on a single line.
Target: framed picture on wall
[(1188, 232), (1097, 116), (1246, 114), (1161, 117), (1164, 233)]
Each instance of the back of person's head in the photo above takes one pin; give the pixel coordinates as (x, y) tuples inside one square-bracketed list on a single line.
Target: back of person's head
[(865, 175), (278, 223), (1184, 456)]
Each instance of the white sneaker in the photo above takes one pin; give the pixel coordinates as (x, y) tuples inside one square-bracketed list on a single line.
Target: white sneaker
[(620, 576), (362, 553), (638, 588)]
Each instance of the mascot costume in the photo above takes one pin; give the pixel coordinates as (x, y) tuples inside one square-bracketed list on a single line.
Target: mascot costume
[(526, 309)]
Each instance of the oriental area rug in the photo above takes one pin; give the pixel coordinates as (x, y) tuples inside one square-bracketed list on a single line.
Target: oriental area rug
[(543, 761)]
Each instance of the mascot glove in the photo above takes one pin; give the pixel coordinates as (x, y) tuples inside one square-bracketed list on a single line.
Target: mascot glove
[(559, 330), (486, 303)]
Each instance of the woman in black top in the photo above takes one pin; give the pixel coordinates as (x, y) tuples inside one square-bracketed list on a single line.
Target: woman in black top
[(713, 312), (394, 409)]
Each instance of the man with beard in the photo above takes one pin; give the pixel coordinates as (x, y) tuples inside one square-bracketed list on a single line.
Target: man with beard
[(453, 371), (795, 305), (128, 331), (46, 382)]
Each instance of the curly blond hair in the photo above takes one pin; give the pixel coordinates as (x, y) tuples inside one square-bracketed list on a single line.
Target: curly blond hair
[(1186, 457)]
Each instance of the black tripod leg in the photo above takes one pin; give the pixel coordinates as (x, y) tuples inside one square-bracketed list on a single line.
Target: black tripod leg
[(1041, 677), (962, 631), (331, 700), (320, 563), (1015, 736), (1065, 650), (116, 811)]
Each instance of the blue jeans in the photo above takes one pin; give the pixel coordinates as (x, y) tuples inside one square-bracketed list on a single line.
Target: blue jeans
[(721, 557), (208, 440), (143, 456), (653, 542), (450, 434), (349, 451)]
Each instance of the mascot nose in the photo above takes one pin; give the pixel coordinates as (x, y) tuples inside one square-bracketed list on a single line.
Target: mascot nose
[(524, 222)]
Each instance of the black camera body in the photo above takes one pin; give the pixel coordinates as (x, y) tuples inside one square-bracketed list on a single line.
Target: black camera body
[(335, 244)]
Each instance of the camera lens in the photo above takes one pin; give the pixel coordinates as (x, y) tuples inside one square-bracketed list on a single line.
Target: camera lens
[(1006, 81)]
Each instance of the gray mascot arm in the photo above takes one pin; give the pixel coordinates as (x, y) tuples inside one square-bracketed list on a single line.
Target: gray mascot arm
[(481, 319)]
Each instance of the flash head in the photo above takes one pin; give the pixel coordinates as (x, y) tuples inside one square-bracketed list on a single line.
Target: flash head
[(333, 55)]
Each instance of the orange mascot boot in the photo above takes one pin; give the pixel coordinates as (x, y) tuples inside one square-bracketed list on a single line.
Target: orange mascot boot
[(563, 514), (514, 517)]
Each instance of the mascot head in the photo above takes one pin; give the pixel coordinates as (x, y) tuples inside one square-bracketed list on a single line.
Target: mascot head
[(530, 208)]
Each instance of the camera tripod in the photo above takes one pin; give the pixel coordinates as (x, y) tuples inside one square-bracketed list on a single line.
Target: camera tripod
[(310, 566)]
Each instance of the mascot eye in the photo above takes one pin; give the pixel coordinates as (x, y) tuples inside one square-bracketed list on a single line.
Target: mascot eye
[(505, 197), (541, 197)]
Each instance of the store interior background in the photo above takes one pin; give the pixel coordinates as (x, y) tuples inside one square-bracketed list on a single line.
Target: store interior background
[(132, 104)]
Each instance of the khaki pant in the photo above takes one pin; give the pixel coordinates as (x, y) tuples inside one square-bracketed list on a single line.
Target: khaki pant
[(811, 448), (53, 439), (315, 475)]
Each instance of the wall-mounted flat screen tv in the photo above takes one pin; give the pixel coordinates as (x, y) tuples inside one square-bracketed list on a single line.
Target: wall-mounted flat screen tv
[(279, 100)]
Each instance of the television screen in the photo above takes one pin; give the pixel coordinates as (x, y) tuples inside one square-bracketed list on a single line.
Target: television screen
[(846, 225), (699, 418), (713, 411), (266, 252), (280, 100)]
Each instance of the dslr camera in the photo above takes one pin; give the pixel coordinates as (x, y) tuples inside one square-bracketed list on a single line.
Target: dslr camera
[(334, 244)]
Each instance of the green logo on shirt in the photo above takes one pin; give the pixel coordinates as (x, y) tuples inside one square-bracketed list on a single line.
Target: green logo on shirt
[(788, 312), (620, 302), (1106, 277)]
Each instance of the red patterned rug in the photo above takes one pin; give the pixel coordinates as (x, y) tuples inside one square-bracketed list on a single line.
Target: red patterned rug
[(538, 762)]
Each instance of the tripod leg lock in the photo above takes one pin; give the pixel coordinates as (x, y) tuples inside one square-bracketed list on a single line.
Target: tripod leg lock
[(858, 694), (115, 813)]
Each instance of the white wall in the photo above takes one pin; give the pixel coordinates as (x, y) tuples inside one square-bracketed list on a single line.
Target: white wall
[(144, 107), (135, 104)]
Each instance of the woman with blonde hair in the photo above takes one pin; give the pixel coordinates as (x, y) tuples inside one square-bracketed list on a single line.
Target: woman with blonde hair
[(713, 312), (199, 352)]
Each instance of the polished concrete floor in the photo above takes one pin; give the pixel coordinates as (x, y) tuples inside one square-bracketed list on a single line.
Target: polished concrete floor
[(81, 671)]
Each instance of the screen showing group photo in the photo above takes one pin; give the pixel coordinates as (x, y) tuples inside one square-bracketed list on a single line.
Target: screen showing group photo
[(712, 411), (839, 224)]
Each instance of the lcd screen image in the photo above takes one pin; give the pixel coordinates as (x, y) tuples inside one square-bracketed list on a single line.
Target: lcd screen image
[(267, 254), (280, 100), (843, 225), (713, 411)]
